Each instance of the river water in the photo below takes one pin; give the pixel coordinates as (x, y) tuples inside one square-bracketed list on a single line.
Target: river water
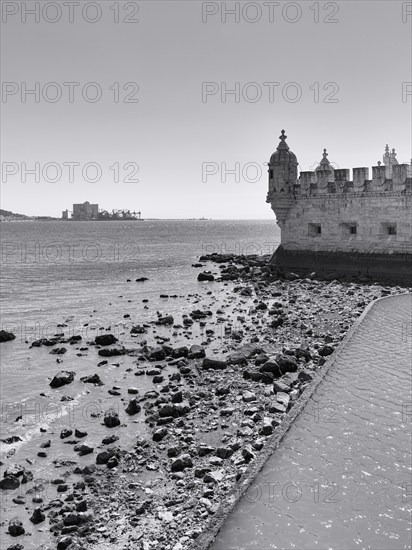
[(342, 476)]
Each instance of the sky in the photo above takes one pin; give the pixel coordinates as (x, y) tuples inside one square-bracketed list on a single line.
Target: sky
[(173, 108)]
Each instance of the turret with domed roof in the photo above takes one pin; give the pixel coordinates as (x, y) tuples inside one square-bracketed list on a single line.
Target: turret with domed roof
[(283, 170)]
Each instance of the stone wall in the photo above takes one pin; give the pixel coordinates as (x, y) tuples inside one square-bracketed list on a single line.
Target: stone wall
[(365, 222)]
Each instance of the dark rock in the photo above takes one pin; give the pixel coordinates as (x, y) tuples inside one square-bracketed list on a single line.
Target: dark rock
[(196, 352), (62, 378), (159, 434), (65, 433), (201, 472), (247, 454), (92, 379), (173, 451), (204, 450), (180, 352), (166, 320), (83, 449), (6, 336), (105, 340), (38, 516), (267, 428), (267, 378), (156, 354), (58, 351), (133, 407), (205, 277), (214, 364), (304, 376), (138, 330), (272, 367), (12, 439), (177, 397), (63, 542), (104, 456), (111, 418), (181, 462), (9, 483), (16, 527), (111, 352), (110, 439), (286, 363), (222, 390), (326, 350), (79, 433), (224, 452)]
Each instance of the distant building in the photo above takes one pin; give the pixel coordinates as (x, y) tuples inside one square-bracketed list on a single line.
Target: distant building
[(331, 223), (65, 215), (85, 211)]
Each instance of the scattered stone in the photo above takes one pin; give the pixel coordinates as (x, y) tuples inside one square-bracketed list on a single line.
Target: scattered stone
[(111, 418), (326, 350), (9, 483), (62, 378), (6, 336), (181, 462), (205, 277), (105, 340), (16, 527), (38, 516), (92, 379), (133, 407), (214, 364)]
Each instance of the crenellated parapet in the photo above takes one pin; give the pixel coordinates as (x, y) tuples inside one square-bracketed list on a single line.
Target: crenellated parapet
[(390, 177), (321, 182)]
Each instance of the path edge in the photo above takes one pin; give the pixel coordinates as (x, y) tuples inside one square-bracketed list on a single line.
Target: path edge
[(206, 538)]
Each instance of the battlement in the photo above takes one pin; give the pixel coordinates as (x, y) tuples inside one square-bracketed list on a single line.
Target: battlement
[(339, 182)]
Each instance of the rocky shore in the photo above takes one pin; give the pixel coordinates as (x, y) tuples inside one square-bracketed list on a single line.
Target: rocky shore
[(212, 407)]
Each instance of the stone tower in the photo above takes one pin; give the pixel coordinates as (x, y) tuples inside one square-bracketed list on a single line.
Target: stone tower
[(283, 171)]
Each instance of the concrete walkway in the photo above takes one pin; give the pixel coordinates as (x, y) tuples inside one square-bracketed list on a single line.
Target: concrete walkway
[(341, 476)]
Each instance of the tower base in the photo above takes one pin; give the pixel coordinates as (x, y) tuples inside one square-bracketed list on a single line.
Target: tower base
[(395, 267)]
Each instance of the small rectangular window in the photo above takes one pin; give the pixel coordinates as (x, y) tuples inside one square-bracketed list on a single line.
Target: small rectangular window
[(389, 228), (314, 229), (349, 229)]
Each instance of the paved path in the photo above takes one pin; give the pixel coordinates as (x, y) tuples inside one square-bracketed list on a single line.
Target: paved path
[(341, 477)]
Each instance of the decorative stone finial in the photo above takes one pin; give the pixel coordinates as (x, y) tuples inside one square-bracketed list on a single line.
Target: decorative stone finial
[(283, 145), (379, 163), (387, 148)]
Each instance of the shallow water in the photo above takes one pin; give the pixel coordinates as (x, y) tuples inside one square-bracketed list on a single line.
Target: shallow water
[(342, 476), (75, 273)]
